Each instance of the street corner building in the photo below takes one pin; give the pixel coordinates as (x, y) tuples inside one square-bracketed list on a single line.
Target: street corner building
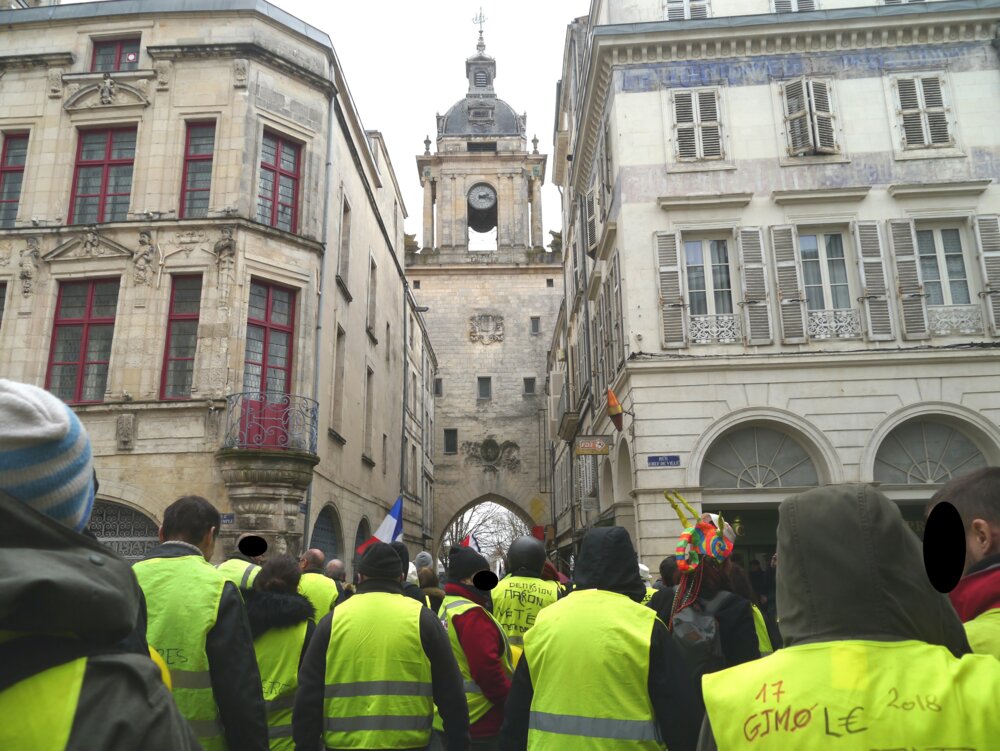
[(782, 253), (201, 252)]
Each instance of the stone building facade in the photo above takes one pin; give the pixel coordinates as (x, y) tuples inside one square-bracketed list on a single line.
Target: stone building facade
[(490, 289), (782, 253), (198, 251)]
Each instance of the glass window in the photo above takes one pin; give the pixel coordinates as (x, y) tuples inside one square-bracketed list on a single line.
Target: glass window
[(757, 457), (81, 340), (450, 441), (536, 325), (12, 159), (824, 272), (529, 386), (485, 387), (268, 359), (710, 291), (278, 190), (103, 179), (942, 266), (925, 451), (182, 338), (197, 181), (120, 54), (438, 387)]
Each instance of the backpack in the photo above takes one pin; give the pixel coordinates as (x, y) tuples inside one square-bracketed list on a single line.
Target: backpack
[(697, 634)]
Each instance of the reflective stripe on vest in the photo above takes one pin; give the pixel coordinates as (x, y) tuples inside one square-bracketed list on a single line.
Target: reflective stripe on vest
[(320, 591), (239, 572), (278, 651), (516, 602), (983, 632), (597, 642), (479, 705), (182, 603), (38, 712), (378, 677), (763, 640), (884, 694)]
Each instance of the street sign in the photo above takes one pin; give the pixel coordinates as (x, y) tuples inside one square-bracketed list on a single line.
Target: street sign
[(302, 508), (663, 460), (592, 445), (228, 518)]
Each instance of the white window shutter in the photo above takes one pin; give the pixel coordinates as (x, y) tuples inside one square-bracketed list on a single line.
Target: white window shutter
[(937, 115), (804, 5), (800, 136), (988, 242), (783, 6), (710, 128), (791, 298), (912, 300), (874, 294), (824, 135), (756, 309), (676, 10), (591, 217), (910, 112), (684, 125), (619, 313), (698, 9), (671, 292)]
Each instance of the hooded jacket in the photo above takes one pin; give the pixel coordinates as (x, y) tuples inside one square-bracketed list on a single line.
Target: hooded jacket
[(269, 610), (850, 568), (608, 561), (56, 581), (977, 593)]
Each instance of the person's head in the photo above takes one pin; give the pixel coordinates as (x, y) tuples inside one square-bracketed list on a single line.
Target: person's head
[(428, 578), (312, 560), (381, 561), (45, 455), (608, 561), (336, 569), (280, 574), (423, 559), (255, 558), (464, 563), (755, 566), (714, 578), (193, 520), (668, 569), (739, 582), (526, 556), (976, 496), (404, 556)]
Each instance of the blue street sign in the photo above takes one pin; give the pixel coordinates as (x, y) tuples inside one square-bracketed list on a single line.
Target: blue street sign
[(302, 508), (666, 460), (228, 518)]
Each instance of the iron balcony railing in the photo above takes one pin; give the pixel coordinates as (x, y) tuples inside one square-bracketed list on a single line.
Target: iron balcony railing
[(271, 420)]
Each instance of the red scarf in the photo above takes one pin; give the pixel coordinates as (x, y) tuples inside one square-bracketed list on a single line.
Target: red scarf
[(977, 593)]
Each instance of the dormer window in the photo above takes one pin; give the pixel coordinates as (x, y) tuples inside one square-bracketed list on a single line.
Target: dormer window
[(118, 54), (481, 79)]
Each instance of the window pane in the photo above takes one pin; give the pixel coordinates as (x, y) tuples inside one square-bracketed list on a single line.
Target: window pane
[(692, 253), (720, 277), (251, 377), (929, 269), (814, 298), (10, 188), (63, 382), (94, 145), (88, 180), (281, 306), (104, 59), (17, 151), (696, 278), (95, 378), (269, 149), (120, 179), (255, 345), (187, 295), (123, 144), (289, 156), (201, 140), (698, 303), (277, 349), (838, 271), (284, 218), (925, 242), (808, 247), (258, 302), (183, 339), (841, 296), (723, 302), (180, 375), (934, 294), (286, 189), (811, 274), (116, 208), (105, 299), (277, 380), (130, 55), (8, 212), (85, 210), (73, 300), (68, 341), (959, 292), (196, 205), (99, 343), (199, 175), (264, 207), (720, 252), (834, 246)]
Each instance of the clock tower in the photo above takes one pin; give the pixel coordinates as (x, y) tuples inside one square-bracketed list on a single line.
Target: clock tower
[(491, 293)]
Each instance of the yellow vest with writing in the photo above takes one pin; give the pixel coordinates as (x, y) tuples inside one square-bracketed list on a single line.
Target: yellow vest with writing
[(516, 602), (378, 677), (856, 695), (320, 591), (182, 603), (763, 639), (588, 657), (240, 573), (983, 632), (278, 651)]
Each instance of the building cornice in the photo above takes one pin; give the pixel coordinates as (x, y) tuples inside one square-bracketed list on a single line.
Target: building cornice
[(824, 195), (844, 29), (46, 60), (940, 190), (706, 201)]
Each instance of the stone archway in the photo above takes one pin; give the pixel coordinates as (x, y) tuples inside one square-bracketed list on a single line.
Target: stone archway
[(127, 531), (440, 537), (327, 533), (363, 533)]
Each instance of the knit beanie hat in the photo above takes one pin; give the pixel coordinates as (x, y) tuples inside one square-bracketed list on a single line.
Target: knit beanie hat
[(45, 459), (404, 555), (380, 561), (463, 562), (423, 560)]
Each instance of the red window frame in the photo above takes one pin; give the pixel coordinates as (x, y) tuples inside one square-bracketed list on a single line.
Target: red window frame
[(270, 325), (174, 317), (118, 45), (189, 158), (88, 321), (277, 172), (106, 163), (10, 169)]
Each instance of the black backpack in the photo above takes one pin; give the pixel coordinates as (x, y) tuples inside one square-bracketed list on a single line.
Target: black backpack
[(697, 634)]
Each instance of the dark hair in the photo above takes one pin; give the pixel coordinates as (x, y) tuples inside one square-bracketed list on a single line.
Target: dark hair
[(280, 574), (189, 518), (739, 582), (976, 495), (427, 577), (715, 578), (668, 570)]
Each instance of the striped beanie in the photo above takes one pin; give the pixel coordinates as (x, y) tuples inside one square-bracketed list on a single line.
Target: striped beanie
[(45, 459)]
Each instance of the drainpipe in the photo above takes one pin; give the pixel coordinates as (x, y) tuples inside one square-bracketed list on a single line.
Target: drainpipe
[(322, 281), (406, 369)]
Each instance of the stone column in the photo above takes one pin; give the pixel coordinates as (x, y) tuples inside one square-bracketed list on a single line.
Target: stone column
[(444, 221), (428, 213), (536, 213), (460, 218)]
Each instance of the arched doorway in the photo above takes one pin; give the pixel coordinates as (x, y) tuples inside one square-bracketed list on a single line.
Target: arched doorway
[(362, 535), (493, 521), (327, 534), (128, 532)]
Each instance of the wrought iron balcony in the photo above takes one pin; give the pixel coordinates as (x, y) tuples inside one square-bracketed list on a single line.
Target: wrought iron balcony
[(271, 420), (945, 320), (844, 323), (705, 329)]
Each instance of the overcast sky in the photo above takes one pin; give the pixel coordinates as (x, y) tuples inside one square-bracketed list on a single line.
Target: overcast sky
[(405, 62)]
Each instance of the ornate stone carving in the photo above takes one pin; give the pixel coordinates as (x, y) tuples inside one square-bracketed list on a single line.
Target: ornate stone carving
[(241, 72), (225, 258), (125, 432), (91, 245), (88, 245), (5, 251), (163, 69), (144, 259), (108, 89), (486, 328), (705, 329), (493, 455), (28, 266), (55, 83), (107, 93)]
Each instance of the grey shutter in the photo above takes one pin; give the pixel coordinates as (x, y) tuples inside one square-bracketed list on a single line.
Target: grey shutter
[(791, 298), (710, 127), (676, 10), (910, 112), (821, 114), (591, 221), (783, 6), (698, 8), (803, 5), (671, 293), (988, 240), (756, 310), (684, 127), (800, 137), (875, 295), (912, 300), (937, 115)]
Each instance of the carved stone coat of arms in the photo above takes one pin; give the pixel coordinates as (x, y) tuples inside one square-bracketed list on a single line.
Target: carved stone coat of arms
[(486, 328)]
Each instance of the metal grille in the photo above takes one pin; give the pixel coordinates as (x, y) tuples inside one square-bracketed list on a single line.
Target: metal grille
[(922, 452), (126, 531)]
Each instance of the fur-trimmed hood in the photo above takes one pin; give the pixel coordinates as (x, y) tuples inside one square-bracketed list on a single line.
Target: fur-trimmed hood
[(267, 610)]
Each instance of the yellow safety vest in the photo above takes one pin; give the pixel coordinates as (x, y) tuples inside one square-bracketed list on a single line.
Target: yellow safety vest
[(240, 573), (38, 712), (983, 632), (278, 652), (597, 643), (763, 639), (451, 608), (320, 591), (182, 603), (516, 602), (856, 694), (378, 677), (648, 596)]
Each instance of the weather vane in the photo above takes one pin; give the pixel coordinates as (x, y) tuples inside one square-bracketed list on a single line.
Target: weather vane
[(479, 20)]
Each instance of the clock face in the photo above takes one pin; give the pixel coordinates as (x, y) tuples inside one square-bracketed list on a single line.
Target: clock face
[(482, 197)]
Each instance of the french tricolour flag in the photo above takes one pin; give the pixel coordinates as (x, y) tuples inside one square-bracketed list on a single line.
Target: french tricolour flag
[(471, 542), (390, 530)]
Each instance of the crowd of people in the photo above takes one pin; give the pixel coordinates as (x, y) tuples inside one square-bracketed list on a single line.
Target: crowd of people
[(841, 643)]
